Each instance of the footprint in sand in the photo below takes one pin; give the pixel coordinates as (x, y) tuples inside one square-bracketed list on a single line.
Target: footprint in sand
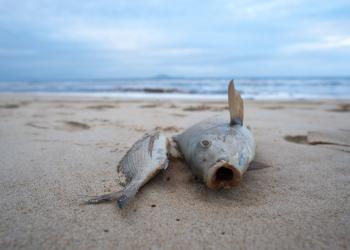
[(204, 107), (337, 138), (74, 126), (173, 106), (13, 105), (102, 107), (201, 107), (274, 107), (301, 139), (345, 107), (178, 115), (9, 106), (148, 106), (36, 125), (66, 126)]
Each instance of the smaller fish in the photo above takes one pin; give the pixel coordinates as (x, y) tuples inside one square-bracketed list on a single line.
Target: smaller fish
[(140, 164)]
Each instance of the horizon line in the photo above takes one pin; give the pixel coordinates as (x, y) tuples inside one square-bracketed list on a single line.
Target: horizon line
[(171, 77)]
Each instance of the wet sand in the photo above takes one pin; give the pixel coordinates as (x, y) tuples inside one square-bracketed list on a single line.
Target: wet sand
[(55, 149)]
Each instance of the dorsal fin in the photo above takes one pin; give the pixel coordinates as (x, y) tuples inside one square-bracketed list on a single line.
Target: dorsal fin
[(235, 104)]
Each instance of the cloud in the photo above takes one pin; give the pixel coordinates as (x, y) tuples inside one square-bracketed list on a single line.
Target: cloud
[(111, 37), (326, 43), (244, 36), (320, 37), (251, 9)]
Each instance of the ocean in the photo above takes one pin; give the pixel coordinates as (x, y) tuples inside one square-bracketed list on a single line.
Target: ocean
[(263, 88)]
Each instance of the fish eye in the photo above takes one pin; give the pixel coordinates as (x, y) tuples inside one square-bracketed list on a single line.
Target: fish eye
[(205, 143)]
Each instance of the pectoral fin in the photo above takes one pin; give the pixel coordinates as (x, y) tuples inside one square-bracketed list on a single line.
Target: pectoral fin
[(235, 104), (257, 165)]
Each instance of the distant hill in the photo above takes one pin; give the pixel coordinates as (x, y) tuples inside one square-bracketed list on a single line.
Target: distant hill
[(164, 76)]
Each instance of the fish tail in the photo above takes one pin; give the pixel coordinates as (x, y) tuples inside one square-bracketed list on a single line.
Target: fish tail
[(122, 197), (123, 201), (105, 198), (126, 197)]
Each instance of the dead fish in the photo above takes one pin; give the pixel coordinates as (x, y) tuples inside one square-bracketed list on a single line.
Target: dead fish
[(217, 150), (142, 162)]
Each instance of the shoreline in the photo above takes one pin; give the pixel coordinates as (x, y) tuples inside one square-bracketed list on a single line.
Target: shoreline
[(160, 97)]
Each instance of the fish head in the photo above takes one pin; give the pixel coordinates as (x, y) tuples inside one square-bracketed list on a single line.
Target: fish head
[(217, 151), (221, 156)]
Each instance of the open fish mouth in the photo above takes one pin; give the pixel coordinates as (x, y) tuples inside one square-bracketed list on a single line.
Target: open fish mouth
[(223, 175)]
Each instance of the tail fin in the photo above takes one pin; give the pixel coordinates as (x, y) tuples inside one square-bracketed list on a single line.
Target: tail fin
[(235, 104), (128, 194), (105, 198), (123, 197)]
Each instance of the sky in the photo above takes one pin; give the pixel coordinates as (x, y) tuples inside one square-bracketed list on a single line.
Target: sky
[(65, 39)]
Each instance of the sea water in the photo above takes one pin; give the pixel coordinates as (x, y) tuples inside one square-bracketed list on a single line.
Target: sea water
[(167, 87)]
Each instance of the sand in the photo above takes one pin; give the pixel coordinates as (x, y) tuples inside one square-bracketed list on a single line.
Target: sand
[(55, 149)]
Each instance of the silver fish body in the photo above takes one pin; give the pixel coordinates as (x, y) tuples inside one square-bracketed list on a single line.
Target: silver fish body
[(142, 162), (217, 152)]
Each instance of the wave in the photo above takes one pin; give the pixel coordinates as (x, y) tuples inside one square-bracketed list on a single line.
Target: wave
[(253, 88)]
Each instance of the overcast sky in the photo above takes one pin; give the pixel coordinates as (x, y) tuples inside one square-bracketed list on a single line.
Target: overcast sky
[(66, 39)]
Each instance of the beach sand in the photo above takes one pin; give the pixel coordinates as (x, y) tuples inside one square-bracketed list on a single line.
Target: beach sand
[(55, 149)]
